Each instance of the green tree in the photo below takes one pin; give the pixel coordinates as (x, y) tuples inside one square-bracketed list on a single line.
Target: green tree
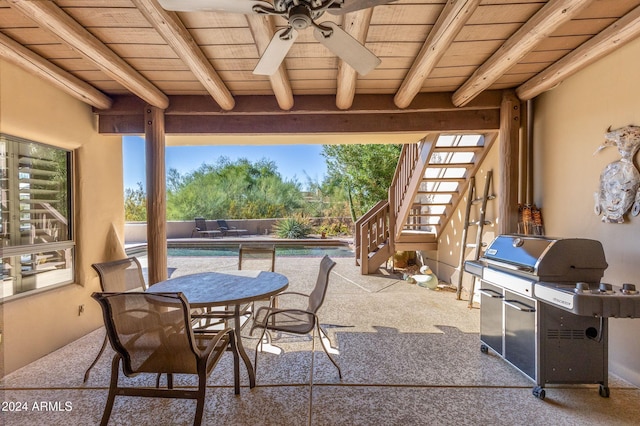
[(363, 173), (234, 190), (135, 204)]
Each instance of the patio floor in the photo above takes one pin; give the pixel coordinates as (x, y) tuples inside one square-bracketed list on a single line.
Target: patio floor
[(409, 356)]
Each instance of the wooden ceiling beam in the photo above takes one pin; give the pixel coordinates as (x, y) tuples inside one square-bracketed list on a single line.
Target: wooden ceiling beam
[(318, 123), (35, 64), (453, 17), (171, 28), (355, 24), (523, 41), (611, 38), (201, 105), (263, 29), (50, 17)]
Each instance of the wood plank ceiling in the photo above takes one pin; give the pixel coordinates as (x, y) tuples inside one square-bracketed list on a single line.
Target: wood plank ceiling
[(436, 55)]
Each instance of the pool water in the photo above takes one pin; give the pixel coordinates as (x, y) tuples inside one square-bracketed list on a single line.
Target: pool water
[(291, 251)]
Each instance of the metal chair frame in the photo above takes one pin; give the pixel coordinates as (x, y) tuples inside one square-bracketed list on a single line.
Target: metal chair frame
[(297, 321), (168, 354), (107, 284)]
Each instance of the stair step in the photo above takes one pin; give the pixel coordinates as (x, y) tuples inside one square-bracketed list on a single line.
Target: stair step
[(439, 192), (439, 179), (474, 148), (451, 165), (432, 204)]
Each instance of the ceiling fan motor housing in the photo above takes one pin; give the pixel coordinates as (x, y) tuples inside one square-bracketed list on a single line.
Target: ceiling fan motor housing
[(300, 17)]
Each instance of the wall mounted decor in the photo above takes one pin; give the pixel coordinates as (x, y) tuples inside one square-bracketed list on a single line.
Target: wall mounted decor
[(620, 180)]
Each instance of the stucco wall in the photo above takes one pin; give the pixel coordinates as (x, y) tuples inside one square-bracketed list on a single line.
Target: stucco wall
[(570, 122), (30, 108)]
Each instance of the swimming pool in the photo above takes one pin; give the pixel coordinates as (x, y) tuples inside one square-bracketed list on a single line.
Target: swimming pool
[(292, 251), (232, 251)]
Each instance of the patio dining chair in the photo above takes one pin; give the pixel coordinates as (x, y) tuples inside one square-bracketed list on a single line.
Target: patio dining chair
[(226, 229), (261, 257), (298, 321), (264, 256), (151, 333), (117, 276)]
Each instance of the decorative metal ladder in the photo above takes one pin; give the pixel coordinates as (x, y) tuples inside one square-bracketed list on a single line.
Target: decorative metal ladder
[(472, 199)]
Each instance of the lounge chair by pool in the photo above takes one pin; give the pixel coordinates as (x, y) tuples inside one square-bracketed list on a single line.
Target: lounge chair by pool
[(226, 229)]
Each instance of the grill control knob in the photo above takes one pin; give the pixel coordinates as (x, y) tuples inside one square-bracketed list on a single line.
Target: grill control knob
[(605, 288), (629, 288), (582, 287)]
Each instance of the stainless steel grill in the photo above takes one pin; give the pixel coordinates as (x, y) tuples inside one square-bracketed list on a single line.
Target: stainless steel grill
[(543, 307)]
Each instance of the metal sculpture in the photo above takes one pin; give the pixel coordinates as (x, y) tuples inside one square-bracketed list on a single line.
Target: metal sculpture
[(620, 180)]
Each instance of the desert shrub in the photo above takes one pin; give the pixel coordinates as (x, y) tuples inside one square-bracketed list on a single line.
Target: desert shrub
[(292, 227), (333, 227)]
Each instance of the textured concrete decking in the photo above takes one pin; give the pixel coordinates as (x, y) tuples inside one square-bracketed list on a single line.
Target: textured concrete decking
[(409, 356)]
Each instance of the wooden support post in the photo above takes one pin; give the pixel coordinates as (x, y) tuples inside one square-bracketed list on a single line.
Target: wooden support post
[(509, 163), (523, 151), (156, 194), (529, 155)]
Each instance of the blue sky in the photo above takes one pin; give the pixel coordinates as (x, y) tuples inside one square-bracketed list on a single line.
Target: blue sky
[(293, 161)]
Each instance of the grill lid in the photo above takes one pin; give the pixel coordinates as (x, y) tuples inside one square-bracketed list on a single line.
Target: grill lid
[(523, 252), (549, 258)]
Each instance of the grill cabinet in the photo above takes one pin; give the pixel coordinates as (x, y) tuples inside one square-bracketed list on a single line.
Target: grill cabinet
[(547, 343)]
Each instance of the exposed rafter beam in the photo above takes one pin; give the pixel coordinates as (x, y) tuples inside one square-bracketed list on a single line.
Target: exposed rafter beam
[(263, 28), (171, 28), (453, 17), (203, 105), (39, 66), (611, 38), (540, 26), (49, 16), (312, 114), (296, 124), (357, 25)]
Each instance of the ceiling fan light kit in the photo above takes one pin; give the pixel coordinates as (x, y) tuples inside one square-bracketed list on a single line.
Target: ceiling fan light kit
[(300, 15)]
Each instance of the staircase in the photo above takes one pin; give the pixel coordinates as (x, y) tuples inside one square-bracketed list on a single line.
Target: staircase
[(427, 186)]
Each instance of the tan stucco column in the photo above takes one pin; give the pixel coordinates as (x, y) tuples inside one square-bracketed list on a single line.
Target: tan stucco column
[(156, 194)]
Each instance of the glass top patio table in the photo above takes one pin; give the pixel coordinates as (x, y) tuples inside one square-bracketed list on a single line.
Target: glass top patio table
[(210, 289), (207, 289)]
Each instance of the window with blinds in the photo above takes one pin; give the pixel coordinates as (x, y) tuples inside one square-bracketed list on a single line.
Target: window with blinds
[(36, 210)]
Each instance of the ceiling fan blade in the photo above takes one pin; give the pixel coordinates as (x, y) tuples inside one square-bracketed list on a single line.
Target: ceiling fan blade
[(233, 6), (275, 52), (347, 48), (353, 5)]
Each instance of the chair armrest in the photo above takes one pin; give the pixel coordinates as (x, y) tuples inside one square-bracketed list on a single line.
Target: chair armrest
[(217, 315), (214, 342), (273, 312), (292, 292), (289, 293), (290, 311), (273, 300)]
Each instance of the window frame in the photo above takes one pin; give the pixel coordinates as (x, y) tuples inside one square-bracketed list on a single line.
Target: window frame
[(64, 275)]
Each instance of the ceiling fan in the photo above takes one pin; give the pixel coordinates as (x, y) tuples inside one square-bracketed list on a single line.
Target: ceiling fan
[(300, 14)]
